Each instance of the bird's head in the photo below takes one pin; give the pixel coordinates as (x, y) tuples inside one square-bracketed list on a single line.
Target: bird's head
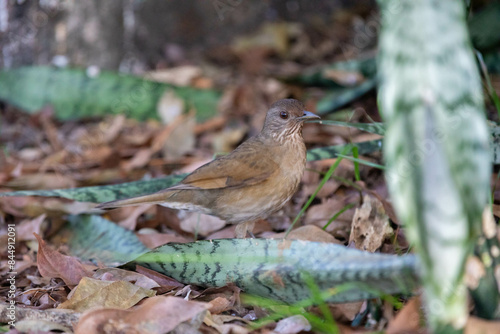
[(285, 119)]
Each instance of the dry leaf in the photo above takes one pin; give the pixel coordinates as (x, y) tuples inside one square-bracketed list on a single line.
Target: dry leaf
[(51, 263), (292, 325), (219, 322), (219, 305), (496, 210), (308, 233), (42, 181), (130, 222), (92, 293), (116, 274), (42, 326), (169, 107), (227, 140), (481, 326), (179, 76), (319, 215), (155, 315), (344, 78), (370, 225), (408, 319), (165, 282), (348, 310), (201, 223), (474, 272), (181, 139), (155, 239), (26, 229), (30, 154), (140, 159)]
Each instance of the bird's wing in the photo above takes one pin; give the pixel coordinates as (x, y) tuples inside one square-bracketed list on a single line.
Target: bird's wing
[(247, 165)]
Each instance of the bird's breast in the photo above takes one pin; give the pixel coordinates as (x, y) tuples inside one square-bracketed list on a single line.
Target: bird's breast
[(264, 198)]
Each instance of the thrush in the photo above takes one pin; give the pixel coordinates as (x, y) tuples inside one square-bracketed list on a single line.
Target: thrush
[(248, 184)]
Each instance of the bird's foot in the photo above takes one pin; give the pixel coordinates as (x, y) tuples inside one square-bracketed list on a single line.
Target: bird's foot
[(244, 228)]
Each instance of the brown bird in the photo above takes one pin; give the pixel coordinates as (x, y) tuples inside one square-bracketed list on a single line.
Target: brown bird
[(250, 183)]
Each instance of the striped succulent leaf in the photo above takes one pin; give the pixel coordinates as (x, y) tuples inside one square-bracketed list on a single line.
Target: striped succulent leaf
[(436, 143)]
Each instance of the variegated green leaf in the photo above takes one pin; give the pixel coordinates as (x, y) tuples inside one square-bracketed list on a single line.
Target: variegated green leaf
[(330, 152), (436, 143), (377, 128), (74, 93), (275, 269), (278, 269), (99, 194), (341, 96), (91, 237)]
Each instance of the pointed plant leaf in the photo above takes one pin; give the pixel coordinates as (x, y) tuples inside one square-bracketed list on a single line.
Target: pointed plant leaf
[(276, 268), (377, 128), (73, 93), (438, 163), (91, 237), (331, 152), (97, 194), (342, 96), (318, 76)]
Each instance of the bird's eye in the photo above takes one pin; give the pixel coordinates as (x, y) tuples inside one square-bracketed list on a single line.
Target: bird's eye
[(284, 115)]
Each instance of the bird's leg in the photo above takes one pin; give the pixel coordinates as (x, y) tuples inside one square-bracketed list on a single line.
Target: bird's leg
[(244, 228)]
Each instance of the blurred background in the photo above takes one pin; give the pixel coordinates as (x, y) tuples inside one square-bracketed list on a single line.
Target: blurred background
[(138, 35)]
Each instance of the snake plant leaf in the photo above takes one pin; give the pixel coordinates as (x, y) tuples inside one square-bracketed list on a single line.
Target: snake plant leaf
[(91, 237), (97, 194), (436, 144), (73, 93), (484, 27), (320, 76), (278, 269), (337, 98), (331, 152), (376, 128)]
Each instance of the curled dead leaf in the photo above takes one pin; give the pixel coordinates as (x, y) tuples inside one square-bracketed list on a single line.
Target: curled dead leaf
[(156, 315), (52, 264), (91, 294)]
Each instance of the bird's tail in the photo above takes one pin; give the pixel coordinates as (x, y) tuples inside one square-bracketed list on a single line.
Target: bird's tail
[(155, 198)]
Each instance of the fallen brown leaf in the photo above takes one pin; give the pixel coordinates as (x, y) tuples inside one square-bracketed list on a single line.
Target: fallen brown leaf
[(130, 222), (320, 214), (165, 282), (220, 323), (408, 319), (481, 326), (309, 233), (52, 264), (153, 240), (26, 229), (92, 293), (370, 225), (292, 325), (155, 315), (42, 181), (201, 223), (116, 274), (219, 305)]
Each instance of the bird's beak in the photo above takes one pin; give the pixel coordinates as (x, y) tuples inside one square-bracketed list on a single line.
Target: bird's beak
[(308, 115)]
